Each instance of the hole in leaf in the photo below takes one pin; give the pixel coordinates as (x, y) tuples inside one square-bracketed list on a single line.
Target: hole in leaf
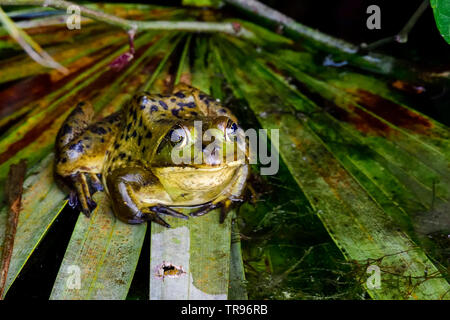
[(167, 269)]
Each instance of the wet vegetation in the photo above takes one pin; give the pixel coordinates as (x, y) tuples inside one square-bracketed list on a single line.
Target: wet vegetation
[(363, 173)]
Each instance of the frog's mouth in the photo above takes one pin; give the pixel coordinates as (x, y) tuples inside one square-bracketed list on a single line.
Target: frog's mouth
[(191, 167), (201, 178)]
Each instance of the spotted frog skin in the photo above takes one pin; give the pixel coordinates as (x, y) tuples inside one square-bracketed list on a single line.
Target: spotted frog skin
[(128, 155)]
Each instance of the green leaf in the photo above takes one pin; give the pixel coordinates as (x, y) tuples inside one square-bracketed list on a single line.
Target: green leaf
[(201, 247), (32, 48), (101, 257), (358, 225), (42, 201), (237, 289), (202, 3), (441, 9)]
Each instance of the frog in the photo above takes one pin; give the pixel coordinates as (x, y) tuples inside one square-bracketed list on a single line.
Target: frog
[(129, 156)]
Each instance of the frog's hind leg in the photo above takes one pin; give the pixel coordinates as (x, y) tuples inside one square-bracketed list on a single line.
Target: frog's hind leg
[(81, 148), (74, 125)]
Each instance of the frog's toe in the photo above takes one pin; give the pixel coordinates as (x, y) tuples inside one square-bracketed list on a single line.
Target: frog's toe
[(157, 219), (224, 206), (224, 209), (86, 206), (153, 214), (83, 195), (91, 204), (161, 221), (168, 211), (205, 209), (73, 200), (95, 183)]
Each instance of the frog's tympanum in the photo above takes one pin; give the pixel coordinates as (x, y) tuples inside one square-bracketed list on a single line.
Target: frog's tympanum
[(130, 155)]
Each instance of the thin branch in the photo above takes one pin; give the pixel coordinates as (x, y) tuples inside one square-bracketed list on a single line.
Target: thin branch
[(32, 48), (261, 10), (14, 189), (190, 26), (402, 36)]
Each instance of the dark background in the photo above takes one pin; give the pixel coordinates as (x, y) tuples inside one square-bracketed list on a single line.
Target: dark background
[(346, 19)]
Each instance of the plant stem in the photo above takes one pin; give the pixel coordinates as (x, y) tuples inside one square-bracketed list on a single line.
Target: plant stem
[(402, 36), (260, 9), (14, 189), (191, 26), (32, 48)]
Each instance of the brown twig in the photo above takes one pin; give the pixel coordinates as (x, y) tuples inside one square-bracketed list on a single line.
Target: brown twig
[(32, 48), (136, 25), (14, 189), (343, 50), (402, 36)]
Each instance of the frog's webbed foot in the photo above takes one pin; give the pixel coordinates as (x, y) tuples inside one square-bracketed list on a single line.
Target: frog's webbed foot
[(168, 211), (224, 206), (205, 209), (153, 214)]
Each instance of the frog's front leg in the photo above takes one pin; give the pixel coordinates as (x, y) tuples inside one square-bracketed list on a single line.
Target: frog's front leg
[(137, 196), (81, 147)]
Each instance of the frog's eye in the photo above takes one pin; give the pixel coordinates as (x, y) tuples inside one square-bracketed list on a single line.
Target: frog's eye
[(177, 136), (231, 129)]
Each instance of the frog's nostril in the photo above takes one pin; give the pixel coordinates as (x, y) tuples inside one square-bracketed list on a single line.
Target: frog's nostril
[(212, 156), (205, 144)]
